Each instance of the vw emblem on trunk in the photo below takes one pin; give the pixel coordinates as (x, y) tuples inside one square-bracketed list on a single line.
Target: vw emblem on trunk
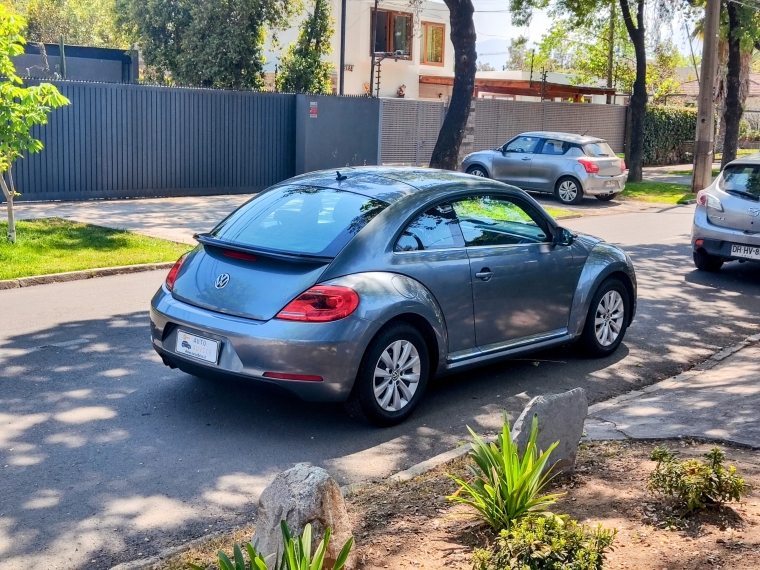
[(222, 280), (754, 212)]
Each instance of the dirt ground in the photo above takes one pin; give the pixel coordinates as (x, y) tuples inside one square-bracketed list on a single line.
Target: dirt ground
[(412, 526)]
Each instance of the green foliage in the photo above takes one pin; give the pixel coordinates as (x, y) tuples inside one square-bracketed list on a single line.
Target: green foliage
[(505, 486), (519, 57), (547, 543), (666, 129), (79, 22), (302, 69), (297, 554), (662, 77), (211, 44), (693, 483)]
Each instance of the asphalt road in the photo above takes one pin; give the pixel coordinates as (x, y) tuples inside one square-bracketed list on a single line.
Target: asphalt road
[(106, 455)]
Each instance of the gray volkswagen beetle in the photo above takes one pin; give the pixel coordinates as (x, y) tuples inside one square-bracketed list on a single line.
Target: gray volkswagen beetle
[(362, 285)]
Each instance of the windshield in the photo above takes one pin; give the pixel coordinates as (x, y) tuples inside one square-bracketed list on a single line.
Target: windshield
[(598, 149), (741, 178), (299, 219)]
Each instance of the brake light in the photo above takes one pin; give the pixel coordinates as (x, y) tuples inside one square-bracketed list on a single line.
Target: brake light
[(321, 304), (709, 201), (591, 166), (239, 255), (301, 377), (174, 271), (623, 166)]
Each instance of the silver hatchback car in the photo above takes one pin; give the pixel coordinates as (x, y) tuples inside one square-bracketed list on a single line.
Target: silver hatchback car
[(360, 286), (571, 166), (727, 217)]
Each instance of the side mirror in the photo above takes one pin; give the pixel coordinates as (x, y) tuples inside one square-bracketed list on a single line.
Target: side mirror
[(563, 237)]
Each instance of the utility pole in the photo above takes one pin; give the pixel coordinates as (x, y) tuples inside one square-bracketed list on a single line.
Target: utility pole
[(703, 146), (342, 45), (611, 49), (374, 40)]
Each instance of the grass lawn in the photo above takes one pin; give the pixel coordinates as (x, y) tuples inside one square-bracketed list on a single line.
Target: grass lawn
[(715, 172), (557, 213), (660, 192), (53, 245)]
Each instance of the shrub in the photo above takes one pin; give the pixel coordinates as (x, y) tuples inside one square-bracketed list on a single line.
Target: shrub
[(547, 543), (666, 129), (506, 487), (695, 484), (296, 555)]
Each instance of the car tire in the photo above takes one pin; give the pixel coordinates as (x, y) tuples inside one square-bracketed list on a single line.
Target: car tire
[(706, 262), (568, 190), (605, 197), (600, 337), (477, 171), (363, 404)]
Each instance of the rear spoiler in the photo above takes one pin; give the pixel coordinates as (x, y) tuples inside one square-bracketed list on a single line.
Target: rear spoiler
[(209, 240)]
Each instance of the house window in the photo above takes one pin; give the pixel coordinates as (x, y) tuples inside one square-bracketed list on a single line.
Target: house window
[(433, 40), (394, 32)]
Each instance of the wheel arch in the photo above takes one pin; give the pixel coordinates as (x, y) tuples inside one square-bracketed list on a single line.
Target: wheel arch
[(479, 164), (426, 330)]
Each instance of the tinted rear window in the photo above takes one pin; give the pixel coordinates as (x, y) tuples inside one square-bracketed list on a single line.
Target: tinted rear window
[(300, 219), (600, 149), (742, 178)]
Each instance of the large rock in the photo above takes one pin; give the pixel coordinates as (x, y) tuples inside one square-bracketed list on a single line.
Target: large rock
[(560, 417), (303, 495)]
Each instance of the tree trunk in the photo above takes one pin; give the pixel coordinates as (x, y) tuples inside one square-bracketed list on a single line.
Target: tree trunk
[(639, 99), (733, 111), (10, 191), (11, 221), (446, 151)]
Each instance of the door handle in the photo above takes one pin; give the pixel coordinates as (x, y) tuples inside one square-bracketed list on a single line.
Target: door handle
[(485, 274), (526, 158)]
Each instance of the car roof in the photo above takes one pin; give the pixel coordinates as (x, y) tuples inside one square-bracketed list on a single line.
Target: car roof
[(393, 184), (569, 137), (747, 159)]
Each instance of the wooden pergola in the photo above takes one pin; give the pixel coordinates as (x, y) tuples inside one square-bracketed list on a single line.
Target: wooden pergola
[(544, 90)]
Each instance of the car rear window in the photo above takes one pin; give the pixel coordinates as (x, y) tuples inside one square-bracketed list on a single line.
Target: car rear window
[(299, 219), (744, 178), (598, 149)]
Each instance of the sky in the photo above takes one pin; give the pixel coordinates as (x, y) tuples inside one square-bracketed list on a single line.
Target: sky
[(495, 30)]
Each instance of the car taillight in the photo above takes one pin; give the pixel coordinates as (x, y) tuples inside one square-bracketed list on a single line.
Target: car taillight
[(709, 201), (591, 166), (623, 166), (172, 277), (321, 304)]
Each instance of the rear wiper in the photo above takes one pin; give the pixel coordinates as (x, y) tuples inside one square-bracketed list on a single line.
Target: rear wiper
[(743, 194), (209, 240)]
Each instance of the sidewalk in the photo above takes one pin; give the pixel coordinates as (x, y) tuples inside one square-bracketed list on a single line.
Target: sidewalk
[(719, 399), (663, 173)]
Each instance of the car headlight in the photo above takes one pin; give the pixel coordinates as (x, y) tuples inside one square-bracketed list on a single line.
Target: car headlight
[(706, 199)]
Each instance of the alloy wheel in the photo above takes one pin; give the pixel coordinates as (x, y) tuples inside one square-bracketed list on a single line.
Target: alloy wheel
[(397, 375), (568, 191), (608, 321)]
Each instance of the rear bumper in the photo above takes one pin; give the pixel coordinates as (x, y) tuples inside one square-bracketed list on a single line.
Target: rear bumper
[(596, 185), (332, 351), (716, 240)]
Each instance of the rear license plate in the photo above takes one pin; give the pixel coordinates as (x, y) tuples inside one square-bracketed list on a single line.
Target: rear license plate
[(611, 184), (746, 251), (197, 347)]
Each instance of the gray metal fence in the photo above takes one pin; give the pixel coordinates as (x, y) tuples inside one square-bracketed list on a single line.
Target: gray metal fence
[(120, 141), (409, 130)]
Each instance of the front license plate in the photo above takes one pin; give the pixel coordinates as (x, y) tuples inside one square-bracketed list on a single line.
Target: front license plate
[(745, 251), (197, 347), (611, 184)]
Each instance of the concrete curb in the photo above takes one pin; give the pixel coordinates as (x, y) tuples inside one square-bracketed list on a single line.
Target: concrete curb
[(84, 274), (448, 456)]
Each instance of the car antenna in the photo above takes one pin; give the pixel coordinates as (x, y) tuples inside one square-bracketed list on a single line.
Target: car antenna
[(584, 132), (340, 177)]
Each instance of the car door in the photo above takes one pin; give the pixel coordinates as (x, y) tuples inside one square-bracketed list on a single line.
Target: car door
[(512, 164), (431, 250), (522, 284), (547, 165)]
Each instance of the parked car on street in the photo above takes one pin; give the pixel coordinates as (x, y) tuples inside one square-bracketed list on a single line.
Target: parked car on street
[(727, 217), (362, 285), (570, 166)]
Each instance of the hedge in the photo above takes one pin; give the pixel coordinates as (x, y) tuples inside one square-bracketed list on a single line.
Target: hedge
[(666, 129)]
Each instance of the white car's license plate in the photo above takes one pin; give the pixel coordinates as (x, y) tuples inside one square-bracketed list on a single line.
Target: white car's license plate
[(746, 251), (611, 184), (197, 347)]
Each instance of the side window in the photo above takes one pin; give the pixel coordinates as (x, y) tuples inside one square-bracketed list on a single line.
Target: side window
[(522, 144), (435, 229), (554, 147), (488, 221)]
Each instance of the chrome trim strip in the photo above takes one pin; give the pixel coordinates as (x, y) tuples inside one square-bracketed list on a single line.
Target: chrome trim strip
[(502, 346)]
